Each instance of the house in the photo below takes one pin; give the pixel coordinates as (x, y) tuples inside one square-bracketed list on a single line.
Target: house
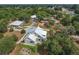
[(41, 33), (16, 25), (34, 18), (31, 38), (35, 35)]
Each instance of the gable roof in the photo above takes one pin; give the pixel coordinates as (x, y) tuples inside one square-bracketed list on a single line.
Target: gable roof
[(16, 23), (38, 31), (30, 30), (32, 37), (41, 32)]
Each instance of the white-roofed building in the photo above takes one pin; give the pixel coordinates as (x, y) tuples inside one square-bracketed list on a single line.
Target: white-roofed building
[(33, 16), (30, 30), (37, 35), (16, 25), (41, 32), (31, 38)]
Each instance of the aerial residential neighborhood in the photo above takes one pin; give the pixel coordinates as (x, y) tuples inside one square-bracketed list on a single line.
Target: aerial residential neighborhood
[(39, 29)]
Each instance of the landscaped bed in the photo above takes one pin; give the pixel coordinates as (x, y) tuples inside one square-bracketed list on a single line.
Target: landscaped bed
[(33, 48), (24, 50)]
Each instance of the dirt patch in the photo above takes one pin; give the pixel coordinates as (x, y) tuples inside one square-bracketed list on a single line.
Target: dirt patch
[(25, 51), (15, 51), (17, 33)]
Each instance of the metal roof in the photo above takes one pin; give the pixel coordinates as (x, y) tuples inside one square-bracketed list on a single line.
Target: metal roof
[(32, 37), (33, 16), (16, 23), (41, 32)]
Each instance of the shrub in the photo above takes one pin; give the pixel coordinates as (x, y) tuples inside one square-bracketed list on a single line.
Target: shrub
[(1, 35), (22, 31)]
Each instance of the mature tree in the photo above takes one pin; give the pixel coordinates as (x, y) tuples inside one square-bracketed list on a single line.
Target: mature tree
[(60, 43), (52, 22), (75, 22), (70, 30), (54, 47), (67, 43), (22, 31), (40, 17), (77, 11), (1, 35), (66, 21), (7, 44), (75, 18), (3, 27), (58, 8), (76, 25), (26, 18)]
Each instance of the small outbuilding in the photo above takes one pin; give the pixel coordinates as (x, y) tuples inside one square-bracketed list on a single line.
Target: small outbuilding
[(33, 16)]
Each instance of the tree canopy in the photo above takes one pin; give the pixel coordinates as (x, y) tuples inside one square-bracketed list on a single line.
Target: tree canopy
[(60, 43), (7, 44)]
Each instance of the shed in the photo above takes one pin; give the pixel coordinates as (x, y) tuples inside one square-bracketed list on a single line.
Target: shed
[(33, 16)]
